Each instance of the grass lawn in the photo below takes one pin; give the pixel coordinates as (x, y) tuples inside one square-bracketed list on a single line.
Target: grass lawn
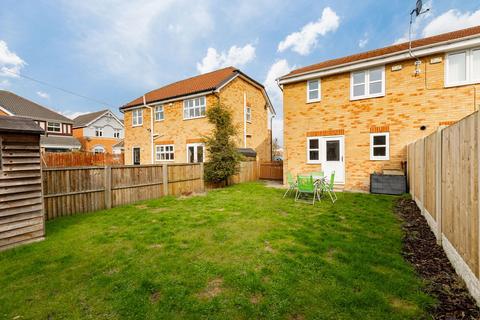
[(237, 253)]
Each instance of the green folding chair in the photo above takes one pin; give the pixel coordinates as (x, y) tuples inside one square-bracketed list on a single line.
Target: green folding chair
[(306, 186), (328, 188), (292, 184)]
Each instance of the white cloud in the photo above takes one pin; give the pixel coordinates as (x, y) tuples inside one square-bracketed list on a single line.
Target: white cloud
[(9, 61), (132, 40), (236, 56), (306, 39), (43, 95), (364, 41), (450, 21), (278, 69)]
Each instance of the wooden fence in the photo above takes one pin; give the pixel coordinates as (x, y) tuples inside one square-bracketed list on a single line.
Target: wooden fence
[(443, 175), (68, 191), (271, 170), (80, 159)]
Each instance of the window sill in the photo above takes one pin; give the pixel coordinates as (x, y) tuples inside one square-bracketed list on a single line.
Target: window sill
[(160, 120), (314, 162), (460, 84), (314, 101), (367, 97), (193, 118), (380, 159), (137, 125)]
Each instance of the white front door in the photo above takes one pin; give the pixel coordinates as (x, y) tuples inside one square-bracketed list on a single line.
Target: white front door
[(333, 157), (195, 152)]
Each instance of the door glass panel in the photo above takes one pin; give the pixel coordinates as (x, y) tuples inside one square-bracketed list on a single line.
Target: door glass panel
[(191, 154), (200, 153), (333, 150)]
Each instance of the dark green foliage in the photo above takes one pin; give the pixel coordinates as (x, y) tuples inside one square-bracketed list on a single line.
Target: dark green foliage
[(223, 155)]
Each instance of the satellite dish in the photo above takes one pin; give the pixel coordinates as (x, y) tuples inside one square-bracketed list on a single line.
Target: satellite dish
[(418, 8)]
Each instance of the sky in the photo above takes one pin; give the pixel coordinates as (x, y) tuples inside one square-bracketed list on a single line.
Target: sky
[(113, 51)]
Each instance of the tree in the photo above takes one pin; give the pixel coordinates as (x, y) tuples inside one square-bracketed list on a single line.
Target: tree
[(223, 155)]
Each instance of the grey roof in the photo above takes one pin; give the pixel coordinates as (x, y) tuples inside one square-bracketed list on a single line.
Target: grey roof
[(85, 119), (119, 144), (247, 152), (67, 142), (22, 107), (18, 124)]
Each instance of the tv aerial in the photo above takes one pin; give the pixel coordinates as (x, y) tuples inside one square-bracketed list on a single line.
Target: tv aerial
[(415, 12)]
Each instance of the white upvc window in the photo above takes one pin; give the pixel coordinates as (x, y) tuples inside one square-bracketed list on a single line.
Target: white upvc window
[(314, 91), (98, 149), (367, 83), (380, 146), (195, 152), (165, 152), (98, 132), (159, 114), (248, 114), (137, 117), (194, 108), (53, 127), (313, 150), (116, 133), (462, 67)]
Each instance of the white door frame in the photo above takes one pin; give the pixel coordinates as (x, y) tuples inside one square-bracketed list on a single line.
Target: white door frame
[(342, 153), (195, 156), (133, 155)]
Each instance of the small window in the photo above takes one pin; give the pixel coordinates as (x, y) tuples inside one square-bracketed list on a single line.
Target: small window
[(313, 91), (194, 108), (367, 84), (159, 115), (53, 127), (98, 132), (313, 150), (98, 150), (379, 146), (137, 117), (116, 133), (165, 152), (248, 114), (463, 67)]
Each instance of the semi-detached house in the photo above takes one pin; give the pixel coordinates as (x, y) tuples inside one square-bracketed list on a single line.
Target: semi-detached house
[(169, 124), (355, 115)]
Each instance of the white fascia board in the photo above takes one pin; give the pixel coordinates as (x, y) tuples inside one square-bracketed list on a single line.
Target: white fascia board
[(386, 59), (152, 104)]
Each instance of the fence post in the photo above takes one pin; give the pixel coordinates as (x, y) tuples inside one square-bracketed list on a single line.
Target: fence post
[(424, 176), (165, 179), (438, 183), (477, 160), (202, 177), (413, 172), (108, 187)]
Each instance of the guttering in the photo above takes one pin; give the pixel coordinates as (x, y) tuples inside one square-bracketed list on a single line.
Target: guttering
[(385, 59), (157, 102)]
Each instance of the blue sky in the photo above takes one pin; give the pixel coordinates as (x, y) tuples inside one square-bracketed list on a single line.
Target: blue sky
[(114, 51)]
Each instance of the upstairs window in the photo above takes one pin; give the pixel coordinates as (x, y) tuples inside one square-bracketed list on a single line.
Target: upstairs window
[(367, 84), (463, 67), (194, 108), (313, 91), (159, 115), (116, 133), (53, 127), (98, 132), (379, 146), (137, 117), (248, 114)]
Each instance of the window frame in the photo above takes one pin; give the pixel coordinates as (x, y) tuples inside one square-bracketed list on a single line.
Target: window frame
[(158, 152), (468, 66), (319, 90), (116, 132), (319, 160), (386, 157), (248, 114), (196, 145), (98, 132), (55, 123), (99, 148), (185, 102), (156, 112), (137, 114), (367, 83)]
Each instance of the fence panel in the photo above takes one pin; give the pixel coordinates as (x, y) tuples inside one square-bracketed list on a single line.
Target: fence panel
[(271, 170), (430, 174), (80, 159)]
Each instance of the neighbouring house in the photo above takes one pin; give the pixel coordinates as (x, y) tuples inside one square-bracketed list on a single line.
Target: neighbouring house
[(99, 132), (169, 124), (355, 115), (58, 128)]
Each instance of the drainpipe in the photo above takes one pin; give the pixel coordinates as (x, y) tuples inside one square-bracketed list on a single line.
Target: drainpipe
[(244, 119), (271, 136), (151, 128)]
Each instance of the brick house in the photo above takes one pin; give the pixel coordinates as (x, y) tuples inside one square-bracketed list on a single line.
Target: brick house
[(99, 132), (355, 115), (168, 124), (58, 128)]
